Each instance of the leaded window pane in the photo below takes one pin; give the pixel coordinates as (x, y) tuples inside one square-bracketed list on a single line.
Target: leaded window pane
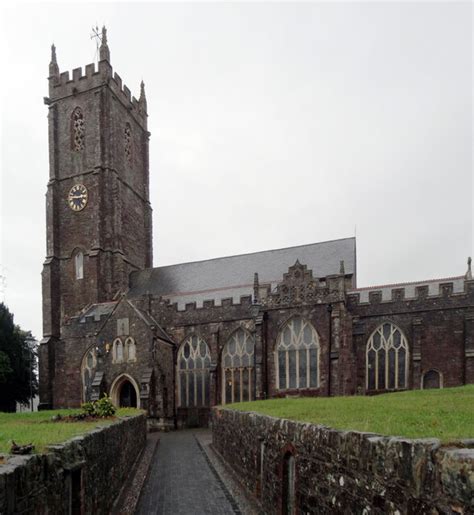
[(297, 343), (402, 365), (194, 360), (237, 358), (387, 359), (371, 371), (237, 385), (282, 369), (182, 383), (199, 389), (391, 368), (313, 368), (191, 401), (245, 384), (302, 368)]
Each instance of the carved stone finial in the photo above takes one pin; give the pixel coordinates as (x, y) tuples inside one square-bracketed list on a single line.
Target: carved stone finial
[(53, 65), (468, 275), (142, 99), (104, 52), (256, 289), (342, 270)]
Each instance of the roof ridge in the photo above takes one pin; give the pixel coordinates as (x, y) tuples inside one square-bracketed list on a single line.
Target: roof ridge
[(252, 253), (407, 283)]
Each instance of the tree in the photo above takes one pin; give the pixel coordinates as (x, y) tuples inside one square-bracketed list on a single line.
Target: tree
[(18, 382)]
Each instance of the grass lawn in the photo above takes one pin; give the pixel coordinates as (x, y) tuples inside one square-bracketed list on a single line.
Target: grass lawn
[(39, 429), (447, 414)]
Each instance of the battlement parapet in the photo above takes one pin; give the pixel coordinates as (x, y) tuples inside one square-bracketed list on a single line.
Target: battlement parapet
[(436, 289), (62, 85), (244, 301)]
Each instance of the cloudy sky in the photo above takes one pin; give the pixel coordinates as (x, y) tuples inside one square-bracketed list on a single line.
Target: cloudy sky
[(273, 124)]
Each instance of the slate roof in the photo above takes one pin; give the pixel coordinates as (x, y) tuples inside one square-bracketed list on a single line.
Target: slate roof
[(433, 288), (232, 276)]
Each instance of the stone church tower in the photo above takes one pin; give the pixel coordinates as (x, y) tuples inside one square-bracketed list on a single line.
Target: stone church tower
[(99, 219)]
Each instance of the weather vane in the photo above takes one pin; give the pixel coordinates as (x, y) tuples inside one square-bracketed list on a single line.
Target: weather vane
[(98, 40)]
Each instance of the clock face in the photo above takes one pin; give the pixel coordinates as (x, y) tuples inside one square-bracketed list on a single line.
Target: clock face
[(77, 198)]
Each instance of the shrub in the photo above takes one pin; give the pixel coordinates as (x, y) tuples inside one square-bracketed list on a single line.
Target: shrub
[(101, 408), (88, 408)]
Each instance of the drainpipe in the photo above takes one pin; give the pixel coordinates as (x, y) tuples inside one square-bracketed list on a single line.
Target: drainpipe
[(329, 308)]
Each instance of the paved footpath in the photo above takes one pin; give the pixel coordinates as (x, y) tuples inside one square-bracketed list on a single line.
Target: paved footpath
[(181, 480)]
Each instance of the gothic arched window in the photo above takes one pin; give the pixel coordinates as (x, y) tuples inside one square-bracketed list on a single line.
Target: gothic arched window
[(387, 359), (131, 349), (89, 363), (79, 265), (77, 130), (117, 351), (238, 367), (194, 362), (128, 142), (297, 355)]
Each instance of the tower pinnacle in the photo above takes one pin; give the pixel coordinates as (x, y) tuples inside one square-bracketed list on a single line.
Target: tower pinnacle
[(104, 52), (142, 99), (53, 65)]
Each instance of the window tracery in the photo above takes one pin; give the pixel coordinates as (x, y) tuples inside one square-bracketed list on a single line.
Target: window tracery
[(297, 355), (387, 359), (238, 368), (194, 362), (78, 130)]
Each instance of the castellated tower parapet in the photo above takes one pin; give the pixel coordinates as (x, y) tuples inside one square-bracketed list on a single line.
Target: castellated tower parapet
[(66, 84)]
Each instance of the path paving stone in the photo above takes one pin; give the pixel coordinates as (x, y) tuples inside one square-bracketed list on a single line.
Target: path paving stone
[(181, 481)]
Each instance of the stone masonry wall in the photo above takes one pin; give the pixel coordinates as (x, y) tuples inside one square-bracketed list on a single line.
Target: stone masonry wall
[(83, 475), (341, 471)]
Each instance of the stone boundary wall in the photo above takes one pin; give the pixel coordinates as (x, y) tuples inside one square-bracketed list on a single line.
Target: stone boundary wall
[(341, 471), (84, 475)]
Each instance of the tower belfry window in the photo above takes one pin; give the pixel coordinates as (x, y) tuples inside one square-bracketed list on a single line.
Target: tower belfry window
[(78, 130), (128, 142), (79, 265)]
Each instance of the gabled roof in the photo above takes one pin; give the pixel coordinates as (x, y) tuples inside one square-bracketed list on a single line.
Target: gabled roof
[(232, 276)]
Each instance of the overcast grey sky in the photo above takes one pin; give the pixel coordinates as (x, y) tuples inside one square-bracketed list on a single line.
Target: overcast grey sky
[(272, 125)]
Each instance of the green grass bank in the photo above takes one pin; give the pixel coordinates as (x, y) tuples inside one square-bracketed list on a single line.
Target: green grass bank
[(39, 429), (447, 414)]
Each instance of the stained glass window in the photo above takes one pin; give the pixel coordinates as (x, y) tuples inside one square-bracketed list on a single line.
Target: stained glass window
[(194, 363), (297, 356), (238, 368), (387, 359)]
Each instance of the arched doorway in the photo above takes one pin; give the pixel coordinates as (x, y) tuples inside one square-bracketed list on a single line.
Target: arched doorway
[(124, 392), (127, 395)]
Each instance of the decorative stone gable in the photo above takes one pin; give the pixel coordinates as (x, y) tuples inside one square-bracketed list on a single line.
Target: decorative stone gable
[(298, 287)]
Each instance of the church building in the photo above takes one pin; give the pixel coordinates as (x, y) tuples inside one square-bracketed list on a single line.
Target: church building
[(177, 340)]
